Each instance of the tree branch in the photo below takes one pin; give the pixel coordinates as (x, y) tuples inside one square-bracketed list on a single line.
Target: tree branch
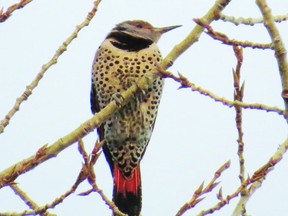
[(210, 16), (25, 95), (249, 21), (5, 15), (87, 172), (258, 176), (226, 40), (201, 190), (185, 83), (26, 198), (238, 95), (280, 51)]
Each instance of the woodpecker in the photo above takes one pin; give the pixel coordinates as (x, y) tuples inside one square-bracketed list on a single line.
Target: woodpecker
[(128, 52)]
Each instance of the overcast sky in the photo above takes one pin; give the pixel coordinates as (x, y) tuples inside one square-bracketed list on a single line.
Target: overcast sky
[(193, 135)]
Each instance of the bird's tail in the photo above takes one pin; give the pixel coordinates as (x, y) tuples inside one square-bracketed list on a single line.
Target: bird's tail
[(127, 193)]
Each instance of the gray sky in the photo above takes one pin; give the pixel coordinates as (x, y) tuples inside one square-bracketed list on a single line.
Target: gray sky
[(193, 135)]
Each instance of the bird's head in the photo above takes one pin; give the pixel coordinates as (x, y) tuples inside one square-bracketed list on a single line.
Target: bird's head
[(142, 29)]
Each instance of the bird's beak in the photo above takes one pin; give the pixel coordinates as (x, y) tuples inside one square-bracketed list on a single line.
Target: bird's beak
[(166, 29), (159, 31)]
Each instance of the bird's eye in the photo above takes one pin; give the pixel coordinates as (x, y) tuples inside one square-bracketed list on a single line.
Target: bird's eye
[(139, 26)]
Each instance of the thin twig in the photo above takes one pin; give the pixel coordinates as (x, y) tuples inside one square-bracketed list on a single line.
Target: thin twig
[(193, 37), (258, 176), (226, 40), (5, 15), (240, 207), (89, 173), (238, 95), (196, 198), (29, 202), (250, 21), (107, 201), (280, 51), (83, 175), (185, 83), (29, 89)]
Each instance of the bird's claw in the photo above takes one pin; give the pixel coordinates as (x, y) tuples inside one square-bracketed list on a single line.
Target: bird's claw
[(143, 91), (118, 98), (145, 83)]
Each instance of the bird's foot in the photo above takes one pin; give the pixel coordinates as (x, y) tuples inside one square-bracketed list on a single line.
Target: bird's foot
[(119, 99), (143, 85)]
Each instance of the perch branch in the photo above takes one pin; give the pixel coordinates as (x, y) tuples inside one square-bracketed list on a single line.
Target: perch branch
[(193, 37)]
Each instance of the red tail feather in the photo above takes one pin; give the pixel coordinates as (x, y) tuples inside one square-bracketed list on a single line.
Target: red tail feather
[(124, 185), (127, 193)]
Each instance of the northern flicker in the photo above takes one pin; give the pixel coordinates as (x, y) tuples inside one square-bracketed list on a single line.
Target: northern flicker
[(128, 52)]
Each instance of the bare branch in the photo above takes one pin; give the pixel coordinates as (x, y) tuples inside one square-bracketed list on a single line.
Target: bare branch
[(258, 176), (5, 15), (83, 175), (249, 21), (193, 37), (29, 202), (226, 40), (90, 175), (245, 196), (280, 51), (25, 95), (238, 95), (201, 190), (185, 83)]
